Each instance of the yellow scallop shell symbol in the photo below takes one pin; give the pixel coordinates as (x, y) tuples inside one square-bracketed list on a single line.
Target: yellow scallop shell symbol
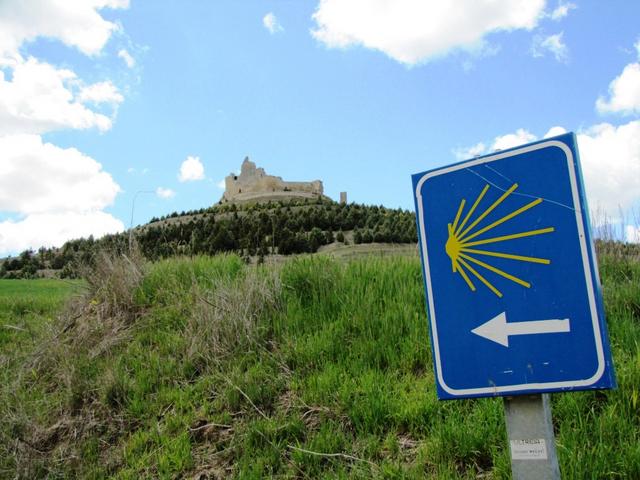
[(463, 238)]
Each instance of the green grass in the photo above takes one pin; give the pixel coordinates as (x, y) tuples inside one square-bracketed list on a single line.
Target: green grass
[(28, 311), (26, 305), (315, 368), (19, 297)]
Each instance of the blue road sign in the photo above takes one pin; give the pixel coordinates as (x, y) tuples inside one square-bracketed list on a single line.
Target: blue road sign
[(513, 295)]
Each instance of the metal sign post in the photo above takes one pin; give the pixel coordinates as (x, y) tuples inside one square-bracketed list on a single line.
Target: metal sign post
[(511, 280), (530, 434)]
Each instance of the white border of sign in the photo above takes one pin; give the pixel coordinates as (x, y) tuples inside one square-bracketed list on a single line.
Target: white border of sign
[(587, 273)]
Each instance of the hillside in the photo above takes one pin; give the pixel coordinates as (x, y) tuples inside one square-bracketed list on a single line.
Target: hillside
[(252, 230), (208, 368)]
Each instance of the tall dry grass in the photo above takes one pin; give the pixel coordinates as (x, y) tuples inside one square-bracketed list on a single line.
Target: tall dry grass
[(61, 370), (102, 316), (231, 315)]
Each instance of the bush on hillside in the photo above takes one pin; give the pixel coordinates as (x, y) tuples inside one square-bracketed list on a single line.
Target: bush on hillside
[(259, 229)]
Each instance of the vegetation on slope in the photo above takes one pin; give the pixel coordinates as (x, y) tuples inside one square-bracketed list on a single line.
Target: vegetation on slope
[(206, 367), (256, 230)]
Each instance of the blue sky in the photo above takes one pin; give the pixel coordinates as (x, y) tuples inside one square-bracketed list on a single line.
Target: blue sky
[(101, 99)]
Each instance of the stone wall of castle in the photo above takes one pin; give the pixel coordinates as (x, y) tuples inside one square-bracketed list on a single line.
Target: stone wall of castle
[(253, 184)]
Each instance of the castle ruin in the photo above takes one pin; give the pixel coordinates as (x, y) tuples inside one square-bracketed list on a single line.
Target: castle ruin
[(253, 184)]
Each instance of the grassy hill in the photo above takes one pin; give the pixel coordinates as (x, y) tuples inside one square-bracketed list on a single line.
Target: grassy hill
[(253, 231), (207, 367)]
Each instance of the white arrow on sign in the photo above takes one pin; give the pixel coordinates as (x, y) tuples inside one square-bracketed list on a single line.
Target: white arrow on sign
[(498, 330)]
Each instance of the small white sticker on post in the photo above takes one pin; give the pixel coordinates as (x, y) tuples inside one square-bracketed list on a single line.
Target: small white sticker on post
[(529, 449)]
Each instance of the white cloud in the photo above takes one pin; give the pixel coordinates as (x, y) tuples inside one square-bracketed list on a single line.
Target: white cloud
[(502, 142), (611, 164), (38, 177), (77, 23), (632, 233), (40, 98), (101, 92), (271, 23), (624, 92), (562, 10), (53, 229), (165, 193), (510, 140), (551, 43), (554, 132), (610, 158), (470, 152), (115, 3), (52, 194), (127, 58), (57, 194), (414, 31), (191, 169), (221, 184)]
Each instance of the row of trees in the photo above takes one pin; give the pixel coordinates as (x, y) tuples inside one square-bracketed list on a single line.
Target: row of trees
[(62, 262), (284, 229), (254, 230)]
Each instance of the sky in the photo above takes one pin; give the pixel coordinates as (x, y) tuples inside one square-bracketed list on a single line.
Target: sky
[(116, 111)]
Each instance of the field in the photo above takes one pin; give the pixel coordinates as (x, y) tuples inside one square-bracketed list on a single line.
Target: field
[(27, 306), (205, 367)]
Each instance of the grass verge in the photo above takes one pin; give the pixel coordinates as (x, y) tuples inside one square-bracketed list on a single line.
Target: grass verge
[(208, 368)]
